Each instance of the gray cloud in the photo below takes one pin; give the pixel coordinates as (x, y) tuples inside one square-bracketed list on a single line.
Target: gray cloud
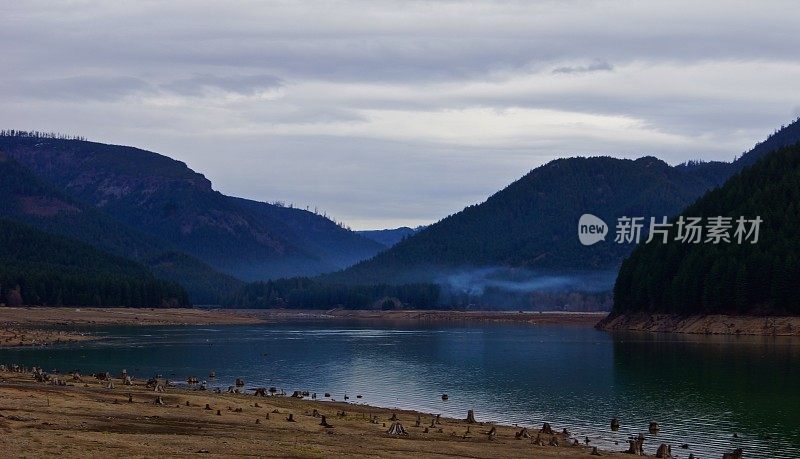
[(595, 67), (239, 84)]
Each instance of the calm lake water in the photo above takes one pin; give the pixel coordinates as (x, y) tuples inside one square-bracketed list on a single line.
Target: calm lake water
[(700, 389)]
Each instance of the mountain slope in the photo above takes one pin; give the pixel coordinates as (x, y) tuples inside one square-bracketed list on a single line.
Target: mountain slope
[(699, 278), (168, 201), (37, 268), (27, 199), (532, 223), (389, 237)]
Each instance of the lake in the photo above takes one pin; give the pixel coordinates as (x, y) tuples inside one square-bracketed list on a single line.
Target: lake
[(700, 389)]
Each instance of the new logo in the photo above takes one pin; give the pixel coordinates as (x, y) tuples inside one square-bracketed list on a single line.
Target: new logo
[(591, 229)]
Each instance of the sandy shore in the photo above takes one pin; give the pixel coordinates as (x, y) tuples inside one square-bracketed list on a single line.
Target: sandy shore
[(86, 418), (707, 324), (34, 326)]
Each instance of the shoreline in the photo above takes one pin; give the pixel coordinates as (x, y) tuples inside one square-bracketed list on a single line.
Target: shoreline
[(36, 326), (712, 324), (94, 417)]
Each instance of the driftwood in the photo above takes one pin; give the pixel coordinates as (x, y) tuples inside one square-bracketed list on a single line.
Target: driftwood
[(471, 416), (664, 451), (653, 428), (615, 424), (396, 429), (522, 434), (636, 446), (546, 429), (324, 423), (736, 454), (291, 418)]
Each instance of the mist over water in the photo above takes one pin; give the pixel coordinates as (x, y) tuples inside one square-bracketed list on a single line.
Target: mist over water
[(700, 389), (520, 280)]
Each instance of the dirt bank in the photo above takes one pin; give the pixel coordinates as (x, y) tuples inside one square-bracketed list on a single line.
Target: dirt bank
[(88, 419), (705, 324)]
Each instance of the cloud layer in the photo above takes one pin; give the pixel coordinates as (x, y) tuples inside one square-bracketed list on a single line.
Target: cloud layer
[(387, 112)]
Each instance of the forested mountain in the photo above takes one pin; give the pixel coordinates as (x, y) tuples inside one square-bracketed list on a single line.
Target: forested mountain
[(27, 199), (762, 278), (174, 205), (389, 237), (532, 223), (37, 268)]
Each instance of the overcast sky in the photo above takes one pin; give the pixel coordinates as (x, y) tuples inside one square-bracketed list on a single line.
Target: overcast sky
[(387, 113)]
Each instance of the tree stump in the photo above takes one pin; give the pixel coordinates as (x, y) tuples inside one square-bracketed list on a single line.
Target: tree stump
[(445, 397), (471, 417), (546, 429), (492, 433), (664, 451), (615, 424), (419, 420), (522, 434), (653, 428), (636, 446), (158, 401), (736, 454), (396, 429), (324, 423), (291, 418), (595, 452), (553, 441), (239, 382)]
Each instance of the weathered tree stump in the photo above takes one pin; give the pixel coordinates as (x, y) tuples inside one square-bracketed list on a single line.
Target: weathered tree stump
[(219, 413), (297, 394), (595, 452), (394, 417), (419, 420), (636, 446), (130, 398), (239, 382), (396, 429), (158, 400), (208, 407), (522, 434), (471, 417), (664, 451), (615, 424), (653, 428), (546, 429), (127, 381), (736, 454), (261, 392), (553, 441), (445, 397), (290, 418), (324, 423), (492, 433)]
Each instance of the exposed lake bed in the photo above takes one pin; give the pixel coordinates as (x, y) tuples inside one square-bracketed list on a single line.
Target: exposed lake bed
[(573, 377)]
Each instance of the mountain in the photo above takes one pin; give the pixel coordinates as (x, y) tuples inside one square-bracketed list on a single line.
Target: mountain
[(761, 277), (37, 268), (27, 199), (531, 224), (165, 200), (389, 237)]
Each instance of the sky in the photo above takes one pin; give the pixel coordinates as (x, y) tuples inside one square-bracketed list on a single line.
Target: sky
[(390, 113)]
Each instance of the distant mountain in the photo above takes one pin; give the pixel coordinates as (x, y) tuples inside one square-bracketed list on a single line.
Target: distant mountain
[(389, 237), (763, 278), (532, 223), (172, 204), (42, 269), (27, 199)]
